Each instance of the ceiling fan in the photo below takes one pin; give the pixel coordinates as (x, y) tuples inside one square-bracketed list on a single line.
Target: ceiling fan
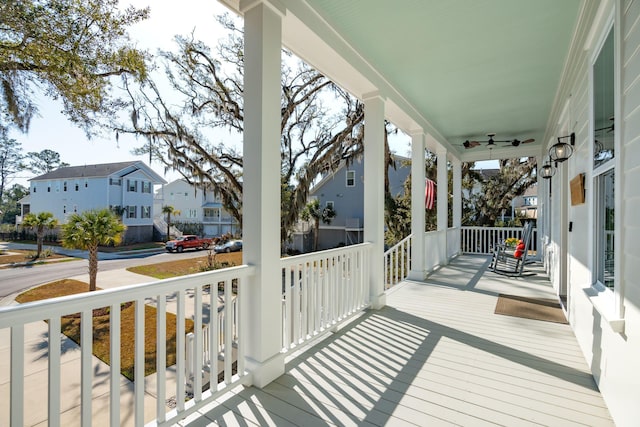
[(492, 142)]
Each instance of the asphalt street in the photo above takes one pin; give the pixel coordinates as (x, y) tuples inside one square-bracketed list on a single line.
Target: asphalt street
[(16, 279)]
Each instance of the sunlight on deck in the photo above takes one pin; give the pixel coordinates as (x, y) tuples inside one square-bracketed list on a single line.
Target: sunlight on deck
[(436, 355)]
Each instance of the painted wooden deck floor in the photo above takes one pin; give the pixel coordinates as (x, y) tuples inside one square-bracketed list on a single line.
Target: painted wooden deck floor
[(436, 355)]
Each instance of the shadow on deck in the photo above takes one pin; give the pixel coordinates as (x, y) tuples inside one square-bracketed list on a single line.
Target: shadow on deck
[(435, 355)]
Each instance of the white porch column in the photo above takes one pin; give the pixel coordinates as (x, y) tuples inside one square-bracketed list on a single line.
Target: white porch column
[(457, 198), (540, 203), (417, 206), (374, 193), (443, 204), (261, 193)]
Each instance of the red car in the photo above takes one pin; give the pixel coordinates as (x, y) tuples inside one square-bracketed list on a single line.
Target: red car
[(188, 241)]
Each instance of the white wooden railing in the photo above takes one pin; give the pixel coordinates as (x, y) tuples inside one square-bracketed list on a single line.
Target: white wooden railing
[(453, 241), (321, 289), (482, 240), (162, 294), (397, 262), (213, 350)]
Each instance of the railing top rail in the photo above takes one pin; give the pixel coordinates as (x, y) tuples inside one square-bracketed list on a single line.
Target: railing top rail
[(397, 244), (54, 307), (296, 259), (465, 227)]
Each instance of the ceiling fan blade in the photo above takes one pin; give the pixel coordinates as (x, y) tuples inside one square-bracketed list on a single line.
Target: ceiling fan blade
[(526, 141), (470, 144)]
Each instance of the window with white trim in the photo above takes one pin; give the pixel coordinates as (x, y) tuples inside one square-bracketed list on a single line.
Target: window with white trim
[(146, 187), (145, 212), (604, 171), (131, 211), (351, 178), (132, 185)]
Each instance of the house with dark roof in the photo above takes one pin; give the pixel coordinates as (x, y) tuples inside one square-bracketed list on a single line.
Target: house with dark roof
[(343, 189), (125, 187)]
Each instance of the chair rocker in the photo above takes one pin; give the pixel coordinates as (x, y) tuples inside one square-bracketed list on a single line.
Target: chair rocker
[(504, 260)]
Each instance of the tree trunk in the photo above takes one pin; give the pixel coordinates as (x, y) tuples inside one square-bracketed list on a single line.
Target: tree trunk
[(316, 231), (168, 227), (93, 267), (39, 238)]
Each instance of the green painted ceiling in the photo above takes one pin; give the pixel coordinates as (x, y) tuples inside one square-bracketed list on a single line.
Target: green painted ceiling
[(469, 66)]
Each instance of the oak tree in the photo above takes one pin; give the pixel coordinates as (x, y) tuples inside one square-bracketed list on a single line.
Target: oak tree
[(68, 49)]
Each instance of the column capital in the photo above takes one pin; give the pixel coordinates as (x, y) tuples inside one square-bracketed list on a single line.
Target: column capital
[(274, 5), (416, 132), (373, 95)]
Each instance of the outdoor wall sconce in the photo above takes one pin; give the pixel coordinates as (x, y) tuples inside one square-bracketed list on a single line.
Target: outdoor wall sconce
[(547, 170), (562, 151)]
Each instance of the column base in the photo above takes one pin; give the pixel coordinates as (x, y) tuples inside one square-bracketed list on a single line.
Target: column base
[(263, 373), (417, 275), (379, 301)]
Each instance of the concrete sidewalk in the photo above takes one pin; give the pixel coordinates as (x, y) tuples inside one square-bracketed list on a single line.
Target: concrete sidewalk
[(36, 371)]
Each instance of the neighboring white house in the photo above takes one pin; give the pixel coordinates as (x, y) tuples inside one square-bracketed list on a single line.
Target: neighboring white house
[(343, 189), (197, 206), (125, 186), (527, 205)]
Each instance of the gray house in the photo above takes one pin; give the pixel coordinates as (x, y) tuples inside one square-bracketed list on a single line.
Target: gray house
[(344, 190)]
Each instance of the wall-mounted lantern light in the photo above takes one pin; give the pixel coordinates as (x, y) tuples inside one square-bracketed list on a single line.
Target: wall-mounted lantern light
[(547, 170), (562, 151)]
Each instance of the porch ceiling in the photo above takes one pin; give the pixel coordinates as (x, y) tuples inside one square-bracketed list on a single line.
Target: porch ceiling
[(468, 67)]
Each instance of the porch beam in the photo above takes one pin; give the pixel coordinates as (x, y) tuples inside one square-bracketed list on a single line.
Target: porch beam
[(418, 271), (374, 193), (261, 190), (443, 204)]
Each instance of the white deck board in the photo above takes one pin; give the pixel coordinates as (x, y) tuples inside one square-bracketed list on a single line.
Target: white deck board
[(435, 355)]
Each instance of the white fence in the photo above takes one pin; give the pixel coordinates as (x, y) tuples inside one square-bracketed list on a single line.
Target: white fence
[(322, 288), (214, 356), (397, 262), (482, 240), (453, 241), (193, 296)]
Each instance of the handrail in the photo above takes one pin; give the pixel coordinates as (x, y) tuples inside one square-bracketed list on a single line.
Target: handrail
[(397, 262), (482, 240), (322, 289), (159, 293)]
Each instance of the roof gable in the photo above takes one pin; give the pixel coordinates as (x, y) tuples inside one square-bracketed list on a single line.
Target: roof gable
[(100, 171)]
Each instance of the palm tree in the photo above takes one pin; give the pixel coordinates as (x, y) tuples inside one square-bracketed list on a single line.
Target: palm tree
[(313, 210), (40, 223), (169, 210), (90, 229)]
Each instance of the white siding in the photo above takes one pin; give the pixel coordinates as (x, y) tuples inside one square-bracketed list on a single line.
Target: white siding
[(90, 197), (614, 357), (135, 198)]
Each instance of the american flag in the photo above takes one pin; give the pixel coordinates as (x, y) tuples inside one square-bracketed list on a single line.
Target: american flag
[(429, 194)]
